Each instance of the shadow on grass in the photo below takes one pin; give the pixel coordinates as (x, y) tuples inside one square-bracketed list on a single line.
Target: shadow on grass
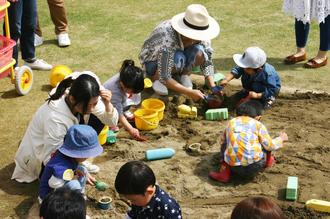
[(9, 94), (226, 64), (50, 42)]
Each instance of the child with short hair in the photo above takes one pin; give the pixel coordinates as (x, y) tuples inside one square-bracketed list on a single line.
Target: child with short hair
[(246, 145), (65, 169), (126, 87), (257, 207), (63, 203), (135, 181), (260, 80)]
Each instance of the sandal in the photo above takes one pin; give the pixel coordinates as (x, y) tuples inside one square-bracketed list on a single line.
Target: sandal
[(289, 60), (313, 64)]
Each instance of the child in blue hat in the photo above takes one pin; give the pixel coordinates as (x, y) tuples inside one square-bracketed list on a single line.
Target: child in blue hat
[(64, 169)]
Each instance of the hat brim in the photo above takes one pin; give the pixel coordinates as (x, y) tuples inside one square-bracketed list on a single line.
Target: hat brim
[(238, 59), (94, 151), (210, 33)]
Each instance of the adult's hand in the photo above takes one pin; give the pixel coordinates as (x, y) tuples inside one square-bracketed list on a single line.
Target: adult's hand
[(196, 95)]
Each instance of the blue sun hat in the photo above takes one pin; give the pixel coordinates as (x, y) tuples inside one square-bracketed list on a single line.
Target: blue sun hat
[(81, 142)]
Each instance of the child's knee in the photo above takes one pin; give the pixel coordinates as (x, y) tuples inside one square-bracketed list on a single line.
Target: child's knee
[(73, 185)]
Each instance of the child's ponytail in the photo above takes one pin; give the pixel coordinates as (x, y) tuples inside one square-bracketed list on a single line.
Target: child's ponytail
[(132, 76), (62, 86)]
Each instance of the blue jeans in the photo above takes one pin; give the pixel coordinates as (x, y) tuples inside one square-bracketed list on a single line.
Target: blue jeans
[(80, 183), (22, 21), (184, 60), (302, 30)]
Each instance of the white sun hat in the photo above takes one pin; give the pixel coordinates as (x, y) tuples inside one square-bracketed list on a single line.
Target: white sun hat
[(195, 23), (253, 57)]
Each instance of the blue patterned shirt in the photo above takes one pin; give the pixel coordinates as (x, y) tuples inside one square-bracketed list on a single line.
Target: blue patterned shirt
[(161, 205)]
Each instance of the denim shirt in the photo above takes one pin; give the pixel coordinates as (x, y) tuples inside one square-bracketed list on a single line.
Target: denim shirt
[(266, 81), (161, 46), (161, 205)]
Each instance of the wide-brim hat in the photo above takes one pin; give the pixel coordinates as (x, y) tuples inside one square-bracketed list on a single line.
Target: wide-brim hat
[(81, 141), (253, 57), (195, 23)]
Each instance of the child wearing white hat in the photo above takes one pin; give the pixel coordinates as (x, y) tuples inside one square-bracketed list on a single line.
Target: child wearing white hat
[(176, 46), (259, 79)]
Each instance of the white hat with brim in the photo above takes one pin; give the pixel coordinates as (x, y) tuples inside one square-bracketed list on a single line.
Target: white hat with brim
[(253, 57), (195, 23)]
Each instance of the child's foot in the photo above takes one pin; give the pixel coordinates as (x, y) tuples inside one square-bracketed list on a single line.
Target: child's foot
[(115, 129), (219, 176), (270, 161)]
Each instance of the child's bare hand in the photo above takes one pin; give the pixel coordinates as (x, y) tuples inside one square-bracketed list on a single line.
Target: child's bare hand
[(253, 95), (224, 82), (284, 136), (90, 179), (106, 96)]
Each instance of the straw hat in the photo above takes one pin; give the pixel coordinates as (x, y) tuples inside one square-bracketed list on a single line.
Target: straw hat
[(196, 23)]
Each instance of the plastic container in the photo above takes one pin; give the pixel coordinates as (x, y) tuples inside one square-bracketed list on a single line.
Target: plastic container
[(103, 135), (161, 153), (318, 205), (6, 50), (154, 104), (105, 203), (146, 119)]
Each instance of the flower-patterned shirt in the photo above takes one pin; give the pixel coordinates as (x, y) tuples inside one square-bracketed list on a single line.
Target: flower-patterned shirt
[(161, 46), (245, 139), (161, 205)]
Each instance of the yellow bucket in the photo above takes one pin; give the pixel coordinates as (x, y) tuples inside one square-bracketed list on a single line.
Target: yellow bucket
[(146, 119), (154, 104), (103, 135)]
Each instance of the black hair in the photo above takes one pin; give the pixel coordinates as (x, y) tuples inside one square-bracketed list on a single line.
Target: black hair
[(133, 178), (251, 108), (82, 89), (132, 76), (63, 203)]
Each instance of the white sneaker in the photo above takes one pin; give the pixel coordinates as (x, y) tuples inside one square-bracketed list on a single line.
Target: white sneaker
[(39, 64), (159, 88), (63, 40), (38, 40), (92, 168), (186, 81)]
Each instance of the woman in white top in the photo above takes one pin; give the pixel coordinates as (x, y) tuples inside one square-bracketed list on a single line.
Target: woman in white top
[(304, 11), (64, 108)]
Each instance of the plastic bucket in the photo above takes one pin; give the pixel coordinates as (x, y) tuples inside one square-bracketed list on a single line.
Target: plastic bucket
[(154, 104), (103, 135), (146, 119)]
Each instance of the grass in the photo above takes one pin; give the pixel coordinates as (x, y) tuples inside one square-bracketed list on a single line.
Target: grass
[(104, 33)]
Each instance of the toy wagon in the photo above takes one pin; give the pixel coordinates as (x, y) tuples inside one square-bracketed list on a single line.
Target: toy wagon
[(22, 77)]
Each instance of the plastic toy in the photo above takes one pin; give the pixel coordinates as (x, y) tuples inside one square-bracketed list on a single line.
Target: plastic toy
[(213, 101), (218, 77), (216, 114), (161, 153), (292, 188), (105, 203), (102, 137), (154, 104), (318, 205), (147, 83), (146, 119), (101, 186), (187, 112), (58, 73), (111, 137), (22, 77)]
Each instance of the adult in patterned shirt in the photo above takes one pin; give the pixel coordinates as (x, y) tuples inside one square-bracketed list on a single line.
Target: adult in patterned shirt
[(135, 181), (176, 46)]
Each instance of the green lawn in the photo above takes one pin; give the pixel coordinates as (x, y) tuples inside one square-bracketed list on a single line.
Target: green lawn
[(104, 33)]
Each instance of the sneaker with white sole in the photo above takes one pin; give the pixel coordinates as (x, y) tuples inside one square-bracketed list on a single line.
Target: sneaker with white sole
[(160, 88), (38, 40), (186, 81), (39, 64), (92, 168), (63, 40)]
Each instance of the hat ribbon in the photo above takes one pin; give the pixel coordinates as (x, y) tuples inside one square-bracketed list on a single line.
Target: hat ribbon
[(194, 26)]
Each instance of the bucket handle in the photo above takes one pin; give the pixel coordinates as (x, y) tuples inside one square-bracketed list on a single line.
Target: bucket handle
[(149, 123)]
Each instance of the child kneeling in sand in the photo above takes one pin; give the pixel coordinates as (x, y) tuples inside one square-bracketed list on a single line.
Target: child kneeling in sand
[(64, 169), (260, 80), (135, 181), (246, 145)]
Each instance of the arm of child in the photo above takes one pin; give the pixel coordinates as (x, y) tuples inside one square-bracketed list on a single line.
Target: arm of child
[(110, 117), (267, 142), (128, 127), (55, 182), (227, 78)]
